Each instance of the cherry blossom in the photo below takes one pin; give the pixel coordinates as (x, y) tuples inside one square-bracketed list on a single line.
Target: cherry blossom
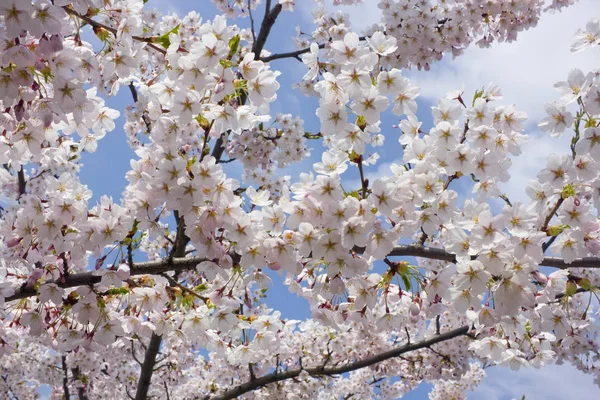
[(165, 291)]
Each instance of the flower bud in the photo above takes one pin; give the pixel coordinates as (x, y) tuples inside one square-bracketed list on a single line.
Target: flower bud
[(10, 243), (337, 285), (275, 266), (414, 309), (56, 41)]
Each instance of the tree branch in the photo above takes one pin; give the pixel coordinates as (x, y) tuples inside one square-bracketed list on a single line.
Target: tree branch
[(65, 380), (296, 54), (22, 182), (320, 371), (145, 117), (148, 367), (182, 264), (166, 390), (265, 28), (553, 211), (81, 389)]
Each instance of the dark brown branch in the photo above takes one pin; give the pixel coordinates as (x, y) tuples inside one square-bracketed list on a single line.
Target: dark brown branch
[(133, 353), (88, 278), (145, 117), (217, 151), (181, 239), (166, 390), (22, 182), (296, 54), (257, 47), (182, 264), (265, 28), (65, 380), (81, 389), (148, 367), (331, 371)]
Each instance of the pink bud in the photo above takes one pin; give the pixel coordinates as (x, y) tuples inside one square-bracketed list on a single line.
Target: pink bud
[(56, 41), (337, 285), (13, 242), (275, 266), (414, 309), (541, 278), (99, 262), (44, 48), (19, 110), (35, 275)]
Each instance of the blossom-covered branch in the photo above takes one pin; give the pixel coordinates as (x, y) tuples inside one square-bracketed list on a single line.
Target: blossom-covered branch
[(182, 264), (319, 371)]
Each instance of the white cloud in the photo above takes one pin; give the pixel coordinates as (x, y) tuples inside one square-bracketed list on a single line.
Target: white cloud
[(553, 382), (533, 158), (361, 15), (525, 69)]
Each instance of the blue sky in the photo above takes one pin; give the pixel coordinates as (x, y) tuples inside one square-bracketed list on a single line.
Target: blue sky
[(525, 70)]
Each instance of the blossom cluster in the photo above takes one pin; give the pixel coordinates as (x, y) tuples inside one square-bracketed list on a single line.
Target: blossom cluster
[(75, 297)]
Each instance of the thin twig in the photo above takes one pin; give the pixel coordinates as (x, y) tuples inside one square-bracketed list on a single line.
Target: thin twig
[(166, 390), (548, 218), (96, 24)]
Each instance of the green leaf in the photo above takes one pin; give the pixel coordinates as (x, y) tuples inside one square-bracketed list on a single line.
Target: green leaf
[(164, 40), (353, 193), (47, 74), (201, 288), (234, 42), (406, 281), (586, 284), (478, 94), (309, 135), (571, 289)]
